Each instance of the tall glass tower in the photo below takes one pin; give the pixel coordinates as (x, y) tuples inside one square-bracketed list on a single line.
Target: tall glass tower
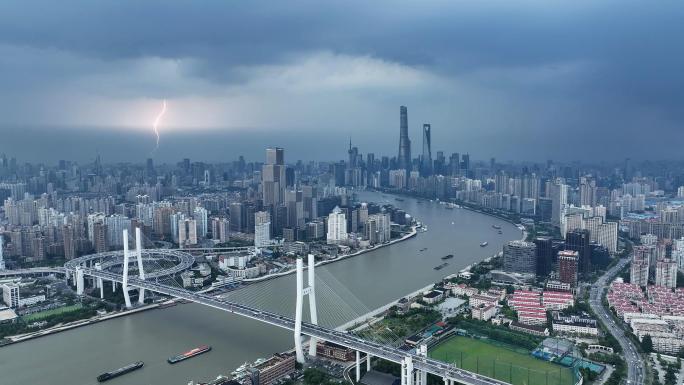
[(404, 158), (426, 161)]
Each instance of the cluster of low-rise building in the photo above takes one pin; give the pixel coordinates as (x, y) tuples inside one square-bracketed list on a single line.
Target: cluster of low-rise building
[(658, 312), (532, 306)]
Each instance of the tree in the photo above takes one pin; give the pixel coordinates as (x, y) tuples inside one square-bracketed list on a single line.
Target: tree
[(647, 344), (315, 377), (670, 378), (680, 279)]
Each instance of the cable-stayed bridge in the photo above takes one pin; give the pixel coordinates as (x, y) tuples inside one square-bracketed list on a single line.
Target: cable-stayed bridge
[(104, 268)]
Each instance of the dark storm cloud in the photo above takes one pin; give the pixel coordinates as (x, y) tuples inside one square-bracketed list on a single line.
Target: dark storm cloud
[(601, 69)]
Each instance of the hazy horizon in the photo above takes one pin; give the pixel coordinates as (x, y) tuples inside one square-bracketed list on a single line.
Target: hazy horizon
[(523, 81)]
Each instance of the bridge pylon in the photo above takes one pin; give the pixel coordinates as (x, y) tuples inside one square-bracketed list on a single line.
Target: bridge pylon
[(141, 272), (124, 286), (310, 290)]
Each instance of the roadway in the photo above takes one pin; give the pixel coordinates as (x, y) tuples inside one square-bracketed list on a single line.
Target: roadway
[(111, 258), (635, 365), (428, 365), (32, 270)]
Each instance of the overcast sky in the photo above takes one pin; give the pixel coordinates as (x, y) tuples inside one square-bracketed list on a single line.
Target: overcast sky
[(520, 80)]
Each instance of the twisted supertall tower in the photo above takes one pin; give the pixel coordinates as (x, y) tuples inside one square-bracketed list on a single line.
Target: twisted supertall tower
[(404, 158)]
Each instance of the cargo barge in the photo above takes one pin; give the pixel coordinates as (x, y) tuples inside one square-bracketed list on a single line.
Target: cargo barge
[(189, 354), (120, 372)]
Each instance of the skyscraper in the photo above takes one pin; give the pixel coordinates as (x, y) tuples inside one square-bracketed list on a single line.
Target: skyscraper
[(404, 158), (579, 240), (426, 161), (544, 253), (187, 232), (337, 227), (520, 257), (273, 176), (262, 229), (2, 261), (638, 272), (567, 266), (557, 191), (666, 273)]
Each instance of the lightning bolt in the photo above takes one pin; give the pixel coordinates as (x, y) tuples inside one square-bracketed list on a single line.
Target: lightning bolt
[(155, 126)]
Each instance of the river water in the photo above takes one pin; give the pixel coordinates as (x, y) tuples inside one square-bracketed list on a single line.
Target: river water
[(345, 290)]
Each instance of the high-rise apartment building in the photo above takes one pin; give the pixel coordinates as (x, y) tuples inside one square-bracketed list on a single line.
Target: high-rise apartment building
[(220, 229), (377, 228), (201, 216), (262, 229), (666, 273), (115, 225), (100, 237), (237, 217), (2, 260), (557, 191), (337, 227), (639, 271), (187, 232), (649, 255), (587, 192), (604, 233)]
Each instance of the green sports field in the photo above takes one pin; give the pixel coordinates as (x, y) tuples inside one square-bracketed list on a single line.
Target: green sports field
[(502, 362), (47, 313)]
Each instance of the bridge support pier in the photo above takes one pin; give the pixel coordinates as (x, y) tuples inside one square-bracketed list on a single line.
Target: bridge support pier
[(358, 366), (99, 282), (127, 297), (80, 281), (407, 371), (421, 376), (368, 362), (310, 290)]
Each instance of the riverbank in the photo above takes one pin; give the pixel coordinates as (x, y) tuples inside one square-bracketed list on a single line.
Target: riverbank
[(479, 211), (410, 234), (363, 321), (75, 324)]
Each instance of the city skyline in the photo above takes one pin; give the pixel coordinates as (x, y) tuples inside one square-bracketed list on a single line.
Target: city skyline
[(561, 82), (520, 221)]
